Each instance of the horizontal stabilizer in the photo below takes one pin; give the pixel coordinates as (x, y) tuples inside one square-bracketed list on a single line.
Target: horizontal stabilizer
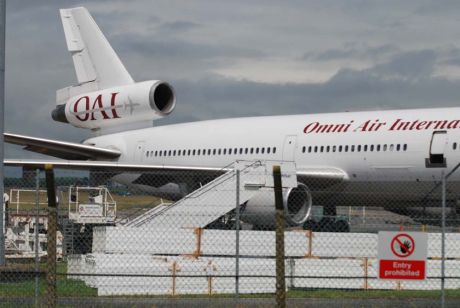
[(61, 149)]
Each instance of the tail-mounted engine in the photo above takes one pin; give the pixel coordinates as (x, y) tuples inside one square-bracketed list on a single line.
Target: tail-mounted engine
[(260, 210), (138, 102)]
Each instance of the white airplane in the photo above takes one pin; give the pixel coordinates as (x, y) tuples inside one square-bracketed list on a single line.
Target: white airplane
[(350, 155)]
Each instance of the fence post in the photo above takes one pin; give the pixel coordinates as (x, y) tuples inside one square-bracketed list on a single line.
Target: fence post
[(443, 238), (237, 235), (2, 123), (37, 243), (280, 271), (51, 241)]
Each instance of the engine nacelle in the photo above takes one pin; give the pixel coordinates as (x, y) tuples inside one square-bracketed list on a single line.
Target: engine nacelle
[(260, 210), (139, 102)]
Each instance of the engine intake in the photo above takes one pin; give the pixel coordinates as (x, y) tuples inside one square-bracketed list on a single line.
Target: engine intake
[(297, 202), (162, 98)]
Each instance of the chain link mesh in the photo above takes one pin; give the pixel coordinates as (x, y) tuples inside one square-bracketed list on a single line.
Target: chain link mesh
[(174, 234)]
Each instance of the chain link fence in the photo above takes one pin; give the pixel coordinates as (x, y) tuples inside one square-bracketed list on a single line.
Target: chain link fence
[(121, 236)]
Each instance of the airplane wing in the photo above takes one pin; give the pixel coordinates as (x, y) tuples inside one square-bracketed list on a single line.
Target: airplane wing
[(61, 149), (306, 174), (100, 165)]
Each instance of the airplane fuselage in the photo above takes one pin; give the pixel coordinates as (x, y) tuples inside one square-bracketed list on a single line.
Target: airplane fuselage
[(368, 146)]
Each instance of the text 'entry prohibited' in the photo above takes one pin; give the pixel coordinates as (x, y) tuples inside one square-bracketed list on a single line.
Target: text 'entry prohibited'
[(402, 255)]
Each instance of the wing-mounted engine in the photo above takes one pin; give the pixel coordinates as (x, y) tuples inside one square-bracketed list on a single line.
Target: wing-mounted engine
[(297, 202), (118, 106)]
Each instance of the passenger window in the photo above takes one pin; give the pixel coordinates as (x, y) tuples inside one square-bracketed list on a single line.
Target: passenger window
[(156, 153), (321, 149), (303, 149), (262, 150), (268, 150), (365, 148), (372, 148), (378, 147), (352, 148), (392, 147), (384, 147), (225, 151), (405, 147), (246, 150), (274, 150), (252, 150), (333, 148), (213, 151), (340, 148), (309, 149), (159, 153), (174, 153), (316, 149), (257, 150), (398, 147), (454, 146), (209, 151), (241, 150), (358, 148), (327, 149)]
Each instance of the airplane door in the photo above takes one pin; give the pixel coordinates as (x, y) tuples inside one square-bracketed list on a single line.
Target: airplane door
[(438, 144), (139, 152), (289, 147)]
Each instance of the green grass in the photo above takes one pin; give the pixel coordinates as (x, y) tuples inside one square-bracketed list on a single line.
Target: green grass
[(27, 201), (360, 294), (65, 287), (73, 288)]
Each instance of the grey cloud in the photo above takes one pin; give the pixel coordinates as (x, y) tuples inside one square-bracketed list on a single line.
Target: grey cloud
[(171, 47), (179, 26), (411, 65), (351, 50)]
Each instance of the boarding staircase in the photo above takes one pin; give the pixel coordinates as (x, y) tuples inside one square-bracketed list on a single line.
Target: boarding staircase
[(218, 197)]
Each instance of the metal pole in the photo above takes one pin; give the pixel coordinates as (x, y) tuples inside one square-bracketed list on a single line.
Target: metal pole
[(51, 242), (37, 244), (443, 239), (237, 235), (2, 122), (280, 271)]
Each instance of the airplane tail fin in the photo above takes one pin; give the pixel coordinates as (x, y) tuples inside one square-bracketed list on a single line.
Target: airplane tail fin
[(96, 64)]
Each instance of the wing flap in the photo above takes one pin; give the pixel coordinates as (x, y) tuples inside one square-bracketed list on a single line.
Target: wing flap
[(305, 174), (61, 149), (92, 165)]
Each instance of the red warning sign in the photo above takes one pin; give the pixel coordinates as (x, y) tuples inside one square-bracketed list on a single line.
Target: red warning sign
[(402, 245), (407, 270), (402, 255)]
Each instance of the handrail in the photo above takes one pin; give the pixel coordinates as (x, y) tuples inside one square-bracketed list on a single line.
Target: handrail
[(202, 190)]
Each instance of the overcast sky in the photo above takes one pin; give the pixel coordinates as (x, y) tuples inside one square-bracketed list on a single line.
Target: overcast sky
[(243, 58)]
